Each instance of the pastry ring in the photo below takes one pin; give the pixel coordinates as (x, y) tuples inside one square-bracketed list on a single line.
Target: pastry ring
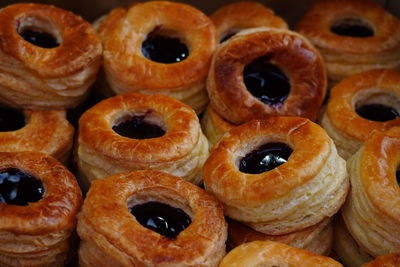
[(390, 260)]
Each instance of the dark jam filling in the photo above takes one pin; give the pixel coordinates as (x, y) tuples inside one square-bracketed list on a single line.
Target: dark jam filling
[(38, 38), (11, 119), (226, 37), (19, 188), (266, 82), (164, 49), (353, 28), (377, 112), (398, 177), (265, 158), (138, 128), (161, 218)]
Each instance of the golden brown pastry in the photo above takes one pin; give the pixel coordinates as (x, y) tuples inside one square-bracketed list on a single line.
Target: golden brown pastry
[(278, 175), (49, 57), (39, 200), (268, 253), (372, 210), (353, 36), (150, 218), (360, 104), (136, 132), (391, 260), (158, 47), (237, 16), (266, 72), (316, 239)]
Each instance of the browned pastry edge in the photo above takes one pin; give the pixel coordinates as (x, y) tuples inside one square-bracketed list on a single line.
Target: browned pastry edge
[(390, 260)]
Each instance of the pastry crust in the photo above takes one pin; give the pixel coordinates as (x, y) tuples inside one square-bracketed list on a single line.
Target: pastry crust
[(46, 78), (372, 210), (391, 260), (101, 151), (234, 17), (349, 130), (111, 234), (296, 57), (127, 70), (347, 55), (274, 202), (268, 253), (39, 234)]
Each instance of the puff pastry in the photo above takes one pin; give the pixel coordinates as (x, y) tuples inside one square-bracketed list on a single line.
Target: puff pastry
[(345, 117), (129, 67), (391, 260), (37, 220), (353, 36), (101, 151), (234, 17), (309, 187), (238, 81), (111, 234), (268, 253), (49, 57), (372, 210)]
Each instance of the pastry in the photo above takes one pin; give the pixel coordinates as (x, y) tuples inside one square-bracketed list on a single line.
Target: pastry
[(372, 210), (150, 218), (49, 57), (39, 200), (266, 72), (136, 132), (352, 36), (158, 47), (268, 253), (237, 16), (391, 260), (360, 104), (45, 131), (278, 175)]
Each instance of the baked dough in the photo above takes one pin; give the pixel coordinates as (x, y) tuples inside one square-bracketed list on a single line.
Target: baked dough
[(348, 55), (391, 260), (110, 234), (340, 119), (46, 78), (291, 52), (39, 234), (101, 151), (309, 187), (123, 32)]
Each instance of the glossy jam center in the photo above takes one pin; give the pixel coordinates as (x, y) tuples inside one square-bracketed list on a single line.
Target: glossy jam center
[(398, 177), (352, 27), (138, 128), (11, 119), (19, 188), (38, 38), (266, 82), (377, 112), (164, 49), (265, 158), (161, 218)]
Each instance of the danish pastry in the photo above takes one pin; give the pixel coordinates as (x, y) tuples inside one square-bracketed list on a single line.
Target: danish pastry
[(150, 218), (49, 57), (391, 260)]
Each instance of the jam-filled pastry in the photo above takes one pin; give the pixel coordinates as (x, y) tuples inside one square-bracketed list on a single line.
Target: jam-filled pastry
[(316, 239), (372, 210), (136, 132), (353, 36), (278, 175), (46, 131), (269, 253), (360, 104), (390, 260), (158, 47), (49, 57), (150, 218), (234, 17), (265, 72), (39, 201)]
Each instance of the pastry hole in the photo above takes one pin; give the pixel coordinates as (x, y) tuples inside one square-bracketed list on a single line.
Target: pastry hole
[(398, 176), (266, 81), (19, 188), (164, 46), (139, 126), (39, 32), (354, 27), (11, 119), (265, 158)]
